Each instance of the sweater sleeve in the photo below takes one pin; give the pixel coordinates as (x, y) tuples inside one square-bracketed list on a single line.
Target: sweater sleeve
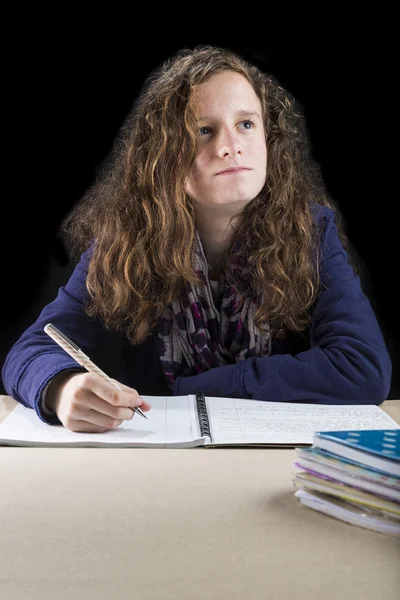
[(347, 362), (35, 359)]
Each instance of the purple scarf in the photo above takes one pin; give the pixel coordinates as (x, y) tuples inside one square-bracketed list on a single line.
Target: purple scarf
[(193, 336)]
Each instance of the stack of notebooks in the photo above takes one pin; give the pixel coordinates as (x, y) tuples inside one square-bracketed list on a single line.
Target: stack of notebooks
[(353, 476)]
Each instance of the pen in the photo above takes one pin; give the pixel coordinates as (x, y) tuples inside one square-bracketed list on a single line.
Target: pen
[(81, 358)]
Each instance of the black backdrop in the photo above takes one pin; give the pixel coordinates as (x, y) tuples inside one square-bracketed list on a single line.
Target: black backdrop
[(67, 95)]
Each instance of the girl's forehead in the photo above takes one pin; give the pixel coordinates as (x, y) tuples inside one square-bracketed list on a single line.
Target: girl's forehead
[(226, 87)]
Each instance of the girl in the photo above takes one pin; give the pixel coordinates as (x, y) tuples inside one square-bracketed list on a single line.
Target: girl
[(209, 242)]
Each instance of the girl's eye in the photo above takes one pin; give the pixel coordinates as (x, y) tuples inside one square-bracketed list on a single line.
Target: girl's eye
[(203, 130), (247, 124)]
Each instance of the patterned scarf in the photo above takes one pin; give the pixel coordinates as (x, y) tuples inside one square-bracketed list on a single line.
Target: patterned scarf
[(193, 336)]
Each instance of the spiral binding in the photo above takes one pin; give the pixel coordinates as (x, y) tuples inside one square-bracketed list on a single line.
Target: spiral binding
[(202, 414)]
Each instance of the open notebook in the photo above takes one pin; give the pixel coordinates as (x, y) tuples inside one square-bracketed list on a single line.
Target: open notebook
[(191, 421)]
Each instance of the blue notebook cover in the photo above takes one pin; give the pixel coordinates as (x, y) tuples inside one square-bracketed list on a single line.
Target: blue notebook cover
[(381, 442), (341, 461)]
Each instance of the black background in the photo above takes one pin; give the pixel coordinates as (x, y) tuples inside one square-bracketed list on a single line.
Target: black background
[(68, 90)]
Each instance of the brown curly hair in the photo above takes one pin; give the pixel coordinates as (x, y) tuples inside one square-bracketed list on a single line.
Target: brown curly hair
[(141, 223)]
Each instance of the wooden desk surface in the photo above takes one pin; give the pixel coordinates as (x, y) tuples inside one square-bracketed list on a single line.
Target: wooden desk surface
[(105, 523)]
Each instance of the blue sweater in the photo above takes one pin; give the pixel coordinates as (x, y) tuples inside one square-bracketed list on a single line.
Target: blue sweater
[(341, 359)]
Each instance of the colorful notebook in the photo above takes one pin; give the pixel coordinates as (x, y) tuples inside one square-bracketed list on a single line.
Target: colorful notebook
[(338, 476), (350, 466), (345, 492), (350, 513), (378, 448)]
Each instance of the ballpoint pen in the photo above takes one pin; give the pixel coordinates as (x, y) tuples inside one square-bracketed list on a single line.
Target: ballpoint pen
[(72, 349)]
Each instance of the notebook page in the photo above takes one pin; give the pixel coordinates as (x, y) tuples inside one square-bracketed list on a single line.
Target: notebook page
[(239, 421), (171, 421)]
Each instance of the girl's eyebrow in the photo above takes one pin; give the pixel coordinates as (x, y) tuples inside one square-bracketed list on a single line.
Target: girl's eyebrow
[(240, 113)]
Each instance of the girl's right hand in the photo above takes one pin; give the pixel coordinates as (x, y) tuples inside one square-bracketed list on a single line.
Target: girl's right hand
[(85, 402)]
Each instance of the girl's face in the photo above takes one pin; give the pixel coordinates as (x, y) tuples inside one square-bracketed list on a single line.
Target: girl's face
[(230, 136)]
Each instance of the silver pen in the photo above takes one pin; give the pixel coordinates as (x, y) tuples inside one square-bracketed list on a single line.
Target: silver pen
[(72, 349)]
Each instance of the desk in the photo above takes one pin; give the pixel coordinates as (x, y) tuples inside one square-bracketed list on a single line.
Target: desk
[(151, 524)]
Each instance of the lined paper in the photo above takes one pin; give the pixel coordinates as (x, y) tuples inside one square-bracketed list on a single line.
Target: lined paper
[(171, 421), (238, 421)]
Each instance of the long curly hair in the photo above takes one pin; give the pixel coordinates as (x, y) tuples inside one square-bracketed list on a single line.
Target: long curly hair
[(141, 225)]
